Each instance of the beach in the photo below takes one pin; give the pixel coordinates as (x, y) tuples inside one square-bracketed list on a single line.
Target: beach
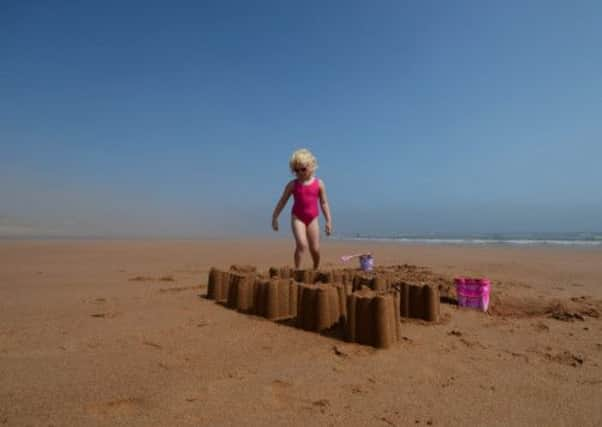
[(118, 332)]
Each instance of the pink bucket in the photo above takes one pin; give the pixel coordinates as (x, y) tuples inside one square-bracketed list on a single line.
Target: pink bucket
[(473, 293)]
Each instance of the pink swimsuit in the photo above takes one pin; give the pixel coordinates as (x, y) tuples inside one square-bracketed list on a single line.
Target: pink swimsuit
[(306, 200)]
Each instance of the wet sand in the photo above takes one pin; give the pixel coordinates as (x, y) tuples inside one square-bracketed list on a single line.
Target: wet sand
[(117, 333)]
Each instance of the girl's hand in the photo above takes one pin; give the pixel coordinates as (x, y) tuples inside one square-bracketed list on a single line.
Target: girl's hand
[(275, 224), (328, 228)]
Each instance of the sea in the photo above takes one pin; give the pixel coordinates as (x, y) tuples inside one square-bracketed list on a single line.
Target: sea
[(577, 239)]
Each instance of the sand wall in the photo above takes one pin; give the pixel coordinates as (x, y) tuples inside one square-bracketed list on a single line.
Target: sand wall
[(373, 318), (320, 307), (365, 307)]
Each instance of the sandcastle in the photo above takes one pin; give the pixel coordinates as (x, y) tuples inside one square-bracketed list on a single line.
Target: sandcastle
[(218, 285), (320, 307), (275, 299), (378, 282), (361, 307), (373, 318), (248, 292), (418, 301)]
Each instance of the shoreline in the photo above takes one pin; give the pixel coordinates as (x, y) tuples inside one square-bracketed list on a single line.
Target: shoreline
[(594, 246), (453, 242)]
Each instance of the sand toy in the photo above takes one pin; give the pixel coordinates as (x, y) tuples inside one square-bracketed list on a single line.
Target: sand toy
[(366, 260)]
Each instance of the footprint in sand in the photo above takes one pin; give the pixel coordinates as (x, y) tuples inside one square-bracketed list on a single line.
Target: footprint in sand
[(127, 406), (141, 279), (590, 381), (95, 301), (472, 344), (180, 289), (165, 278), (449, 382), (357, 389), (109, 315), (152, 344), (519, 355), (565, 358), (340, 351), (428, 422), (280, 391), (322, 404)]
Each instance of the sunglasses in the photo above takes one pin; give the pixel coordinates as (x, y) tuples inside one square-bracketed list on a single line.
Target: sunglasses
[(303, 169)]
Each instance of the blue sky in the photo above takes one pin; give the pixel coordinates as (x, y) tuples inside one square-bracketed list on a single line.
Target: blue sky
[(177, 119)]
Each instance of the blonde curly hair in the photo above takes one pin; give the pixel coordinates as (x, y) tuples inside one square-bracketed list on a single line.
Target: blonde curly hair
[(302, 157)]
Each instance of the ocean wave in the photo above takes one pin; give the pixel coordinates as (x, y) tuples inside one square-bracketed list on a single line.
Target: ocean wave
[(477, 241)]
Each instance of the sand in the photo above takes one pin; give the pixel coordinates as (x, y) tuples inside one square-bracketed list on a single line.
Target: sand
[(118, 333)]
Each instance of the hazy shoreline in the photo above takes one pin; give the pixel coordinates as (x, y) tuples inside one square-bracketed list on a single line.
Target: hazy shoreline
[(403, 241)]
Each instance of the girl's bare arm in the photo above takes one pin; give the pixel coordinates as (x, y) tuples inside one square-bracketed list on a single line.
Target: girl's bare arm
[(286, 194), (325, 208)]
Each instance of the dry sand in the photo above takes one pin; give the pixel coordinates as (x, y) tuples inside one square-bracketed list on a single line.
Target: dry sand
[(115, 333)]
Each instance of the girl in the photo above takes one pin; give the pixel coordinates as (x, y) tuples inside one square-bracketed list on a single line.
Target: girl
[(306, 190)]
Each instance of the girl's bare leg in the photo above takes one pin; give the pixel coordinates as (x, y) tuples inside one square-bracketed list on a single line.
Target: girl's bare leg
[(313, 238), (300, 233)]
